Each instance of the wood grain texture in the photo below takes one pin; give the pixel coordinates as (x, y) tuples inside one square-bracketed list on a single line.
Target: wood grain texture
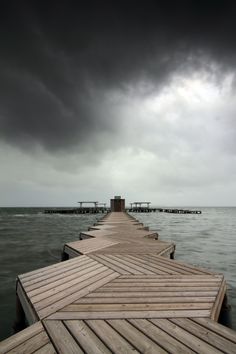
[(122, 295)]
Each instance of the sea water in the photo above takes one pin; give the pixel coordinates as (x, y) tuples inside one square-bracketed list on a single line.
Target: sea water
[(30, 239), (207, 240)]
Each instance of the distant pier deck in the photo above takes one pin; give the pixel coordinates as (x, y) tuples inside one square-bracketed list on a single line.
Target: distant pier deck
[(119, 290), (83, 210), (163, 210), (97, 210)]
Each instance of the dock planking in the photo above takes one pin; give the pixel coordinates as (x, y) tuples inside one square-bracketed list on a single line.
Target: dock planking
[(172, 335), (33, 339), (121, 292), (118, 235)]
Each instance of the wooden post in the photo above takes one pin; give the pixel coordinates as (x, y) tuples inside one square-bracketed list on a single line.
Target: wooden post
[(64, 255), (172, 255), (225, 317), (20, 322)]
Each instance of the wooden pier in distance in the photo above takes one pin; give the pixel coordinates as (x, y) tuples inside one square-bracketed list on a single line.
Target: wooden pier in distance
[(83, 210), (103, 209), (121, 291), (144, 207)]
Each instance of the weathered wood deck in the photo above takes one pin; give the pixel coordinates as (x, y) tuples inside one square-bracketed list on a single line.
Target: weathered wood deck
[(118, 294), (119, 234), (173, 335)]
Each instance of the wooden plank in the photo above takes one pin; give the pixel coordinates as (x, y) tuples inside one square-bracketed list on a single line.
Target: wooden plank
[(159, 288), (134, 265), (138, 307), (198, 277), (167, 251), (185, 337), (103, 259), (144, 299), (71, 252), (169, 265), (142, 266), (163, 283), (130, 248), (35, 273), (29, 311), (159, 278), (65, 285), (91, 245), (101, 226), (182, 265), (141, 342), (76, 288), (62, 315), (219, 300), (158, 267), (149, 294), (59, 280), (19, 338), (49, 275), (103, 230), (204, 334), (117, 264), (68, 297), (112, 339), (61, 338), (32, 344), (165, 340), (63, 272), (123, 265), (86, 338), (217, 328), (60, 273), (46, 349)]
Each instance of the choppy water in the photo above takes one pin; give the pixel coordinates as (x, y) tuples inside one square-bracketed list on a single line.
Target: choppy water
[(30, 239), (207, 240)]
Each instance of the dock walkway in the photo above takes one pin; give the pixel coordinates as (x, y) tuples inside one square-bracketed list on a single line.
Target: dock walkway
[(120, 292)]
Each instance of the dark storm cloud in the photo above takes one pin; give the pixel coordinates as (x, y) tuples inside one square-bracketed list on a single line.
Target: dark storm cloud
[(59, 58)]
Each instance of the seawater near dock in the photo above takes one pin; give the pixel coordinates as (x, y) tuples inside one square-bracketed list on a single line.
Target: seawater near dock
[(120, 290)]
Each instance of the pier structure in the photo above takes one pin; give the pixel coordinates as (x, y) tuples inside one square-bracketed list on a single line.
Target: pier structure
[(117, 204), (140, 204), (102, 208), (94, 203), (96, 209), (103, 204), (144, 207), (119, 290)]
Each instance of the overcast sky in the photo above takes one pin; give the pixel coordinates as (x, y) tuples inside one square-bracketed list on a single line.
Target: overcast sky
[(131, 98)]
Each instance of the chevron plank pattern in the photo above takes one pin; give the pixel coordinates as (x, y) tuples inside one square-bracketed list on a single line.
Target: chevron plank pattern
[(120, 293)]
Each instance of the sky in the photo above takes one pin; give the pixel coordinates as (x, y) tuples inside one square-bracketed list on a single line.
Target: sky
[(130, 98)]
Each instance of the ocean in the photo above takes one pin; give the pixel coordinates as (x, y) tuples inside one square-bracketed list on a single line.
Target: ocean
[(30, 239)]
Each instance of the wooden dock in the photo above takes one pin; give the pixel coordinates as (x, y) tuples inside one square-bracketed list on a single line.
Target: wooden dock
[(119, 235), (142, 209), (121, 291), (103, 209), (83, 210)]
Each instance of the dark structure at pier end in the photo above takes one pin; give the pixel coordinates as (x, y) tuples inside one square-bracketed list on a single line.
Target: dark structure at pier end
[(117, 204)]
